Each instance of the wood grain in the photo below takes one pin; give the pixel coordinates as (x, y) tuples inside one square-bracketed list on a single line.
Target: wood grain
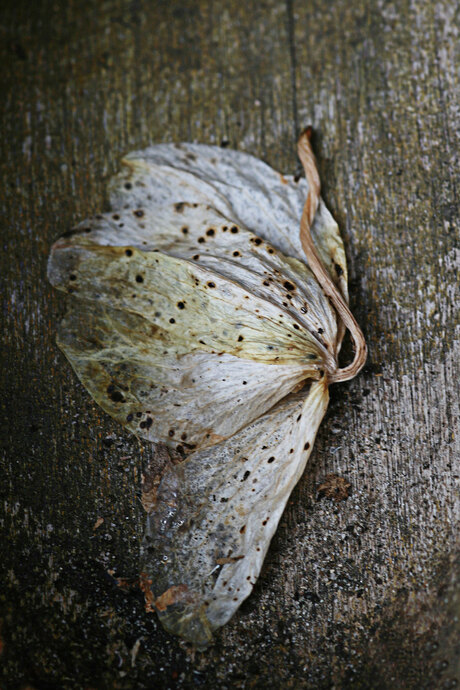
[(359, 593)]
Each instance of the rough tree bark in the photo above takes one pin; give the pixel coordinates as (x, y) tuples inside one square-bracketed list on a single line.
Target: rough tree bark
[(355, 593)]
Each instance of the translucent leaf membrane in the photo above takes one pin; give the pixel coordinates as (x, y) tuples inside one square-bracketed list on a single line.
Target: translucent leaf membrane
[(195, 320), (236, 184), (216, 512), (160, 390)]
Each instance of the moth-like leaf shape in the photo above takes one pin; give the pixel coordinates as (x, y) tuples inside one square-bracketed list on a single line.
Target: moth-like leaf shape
[(198, 313)]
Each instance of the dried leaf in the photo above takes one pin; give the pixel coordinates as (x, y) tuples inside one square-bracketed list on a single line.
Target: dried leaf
[(198, 313), (334, 487)]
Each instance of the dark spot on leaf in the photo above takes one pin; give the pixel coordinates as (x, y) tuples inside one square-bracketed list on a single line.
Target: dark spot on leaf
[(72, 276), (338, 269), (210, 232), (266, 283), (128, 252), (256, 240), (306, 446), (270, 250), (139, 213), (130, 418), (196, 257), (211, 284), (271, 459), (184, 436), (288, 285), (303, 310), (172, 320), (139, 279), (116, 216), (171, 433), (240, 338), (320, 331), (180, 305), (234, 229), (116, 396), (179, 206), (185, 230), (245, 475), (236, 253), (128, 185), (244, 383), (201, 240), (243, 529)]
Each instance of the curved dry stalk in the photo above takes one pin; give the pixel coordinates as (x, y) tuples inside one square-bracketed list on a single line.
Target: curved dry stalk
[(307, 157)]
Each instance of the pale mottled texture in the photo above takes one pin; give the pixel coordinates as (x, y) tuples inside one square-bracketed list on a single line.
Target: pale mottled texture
[(239, 186), (216, 513), (188, 329), (172, 302)]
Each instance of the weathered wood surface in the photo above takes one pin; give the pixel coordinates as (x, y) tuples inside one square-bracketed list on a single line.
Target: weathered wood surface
[(359, 593)]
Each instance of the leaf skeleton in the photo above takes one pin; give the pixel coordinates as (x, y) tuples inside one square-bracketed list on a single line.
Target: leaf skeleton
[(201, 318)]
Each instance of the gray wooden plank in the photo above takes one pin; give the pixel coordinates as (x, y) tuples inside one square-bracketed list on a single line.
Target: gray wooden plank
[(359, 593)]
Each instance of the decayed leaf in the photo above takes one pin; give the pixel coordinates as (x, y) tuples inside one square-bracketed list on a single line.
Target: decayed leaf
[(198, 311), (334, 487), (217, 512)]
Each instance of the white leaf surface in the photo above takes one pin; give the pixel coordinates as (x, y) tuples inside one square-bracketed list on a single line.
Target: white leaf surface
[(195, 320), (217, 511), (159, 390), (239, 186)]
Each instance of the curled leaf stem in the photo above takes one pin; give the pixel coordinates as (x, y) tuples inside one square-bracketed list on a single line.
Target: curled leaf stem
[(307, 157)]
